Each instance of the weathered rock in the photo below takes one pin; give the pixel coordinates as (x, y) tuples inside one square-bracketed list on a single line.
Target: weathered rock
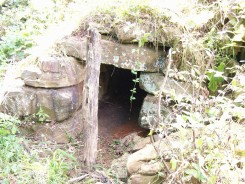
[(151, 168), (128, 32), (149, 112), (119, 167), (143, 179), (54, 72), (74, 46), (131, 32), (134, 142), (127, 56), (104, 29), (59, 104), (59, 132), (151, 83), (146, 164), (141, 143), (137, 159), (130, 56), (17, 101), (130, 140)]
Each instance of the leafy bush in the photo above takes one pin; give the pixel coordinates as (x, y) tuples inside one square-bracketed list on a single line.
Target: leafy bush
[(214, 150), (18, 33), (216, 77), (13, 3), (12, 48)]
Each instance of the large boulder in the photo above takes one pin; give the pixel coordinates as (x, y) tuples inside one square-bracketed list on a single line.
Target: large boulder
[(148, 117), (151, 83), (136, 160), (143, 166), (58, 104), (53, 72), (74, 46), (134, 142), (127, 56), (129, 32), (19, 101), (144, 179)]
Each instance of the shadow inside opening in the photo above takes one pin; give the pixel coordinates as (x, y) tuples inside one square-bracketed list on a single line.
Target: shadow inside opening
[(117, 117)]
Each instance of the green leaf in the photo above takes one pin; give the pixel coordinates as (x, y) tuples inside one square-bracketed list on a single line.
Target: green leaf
[(239, 34), (132, 98), (192, 172), (4, 132), (221, 67), (199, 143), (196, 166), (234, 83), (161, 174), (136, 80), (212, 180), (173, 163), (14, 130), (133, 90), (240, 153), (215, 77), (212, 85), (218, 79), (134, 72), (233, 21), (151, 132)]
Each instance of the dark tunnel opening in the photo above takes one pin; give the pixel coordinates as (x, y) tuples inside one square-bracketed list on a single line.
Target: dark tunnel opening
[(117, 118)]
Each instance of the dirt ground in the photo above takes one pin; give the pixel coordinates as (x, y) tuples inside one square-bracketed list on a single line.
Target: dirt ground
[(115, 122)]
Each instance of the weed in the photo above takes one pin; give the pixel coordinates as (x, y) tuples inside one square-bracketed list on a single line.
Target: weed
[(216, 77), (58, 166), (133, 91), (41, 116), (19, 162), (12, 48)]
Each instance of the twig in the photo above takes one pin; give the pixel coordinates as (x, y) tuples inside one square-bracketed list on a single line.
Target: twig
[(175, 174), (26, 147), (211, 58), (164, 163), (78, 178), (194, 138)]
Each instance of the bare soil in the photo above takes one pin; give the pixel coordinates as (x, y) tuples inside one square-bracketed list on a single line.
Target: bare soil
[(115, 122)]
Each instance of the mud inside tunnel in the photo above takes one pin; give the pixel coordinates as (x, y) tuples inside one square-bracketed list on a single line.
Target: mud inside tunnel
[(117, 117)]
